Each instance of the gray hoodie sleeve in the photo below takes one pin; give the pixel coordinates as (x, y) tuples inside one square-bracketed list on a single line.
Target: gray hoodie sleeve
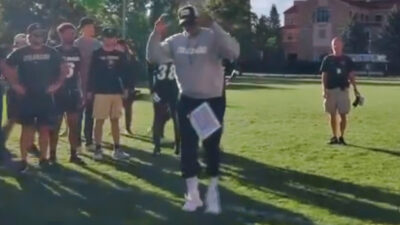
[(157, 51), (227, 47)]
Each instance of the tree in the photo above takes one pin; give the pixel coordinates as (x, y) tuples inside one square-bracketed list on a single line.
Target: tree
[(390, 39), (356, 38), (18, 14), (236, 17), (262, 32), (274, 19)]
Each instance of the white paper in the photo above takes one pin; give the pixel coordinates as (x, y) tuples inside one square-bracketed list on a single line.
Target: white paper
[(204, 121)]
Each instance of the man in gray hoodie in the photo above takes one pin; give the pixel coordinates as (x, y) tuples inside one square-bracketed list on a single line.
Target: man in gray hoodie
[(197, 54), (87, 44)]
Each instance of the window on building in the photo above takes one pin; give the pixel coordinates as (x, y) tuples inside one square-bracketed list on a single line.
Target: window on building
[(289, 37), (322, 15)]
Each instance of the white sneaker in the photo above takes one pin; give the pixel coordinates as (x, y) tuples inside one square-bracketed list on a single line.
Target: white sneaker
[(192, 197), (213, 203), (98, 155), (120, 155), (192, 202)]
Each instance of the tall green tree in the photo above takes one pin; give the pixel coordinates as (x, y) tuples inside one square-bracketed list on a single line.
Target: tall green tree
[(18, 14), (236, 17), (274, 19), (390, 39), (356, 38)]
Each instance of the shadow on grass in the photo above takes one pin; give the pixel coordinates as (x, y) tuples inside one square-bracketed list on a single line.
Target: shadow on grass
[(139, 137), (63, 196), (298, 81), (163, 172), (339, 197), (253, 86), (380, 150)]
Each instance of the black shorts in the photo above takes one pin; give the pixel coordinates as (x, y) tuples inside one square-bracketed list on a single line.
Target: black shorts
[(68, 101), (167, 97), (166, 104), (12, 104), (37, 110)]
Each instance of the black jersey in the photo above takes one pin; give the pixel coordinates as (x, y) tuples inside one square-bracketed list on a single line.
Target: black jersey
[(109, 72), (72, 57), (37, 68), (163, 78)]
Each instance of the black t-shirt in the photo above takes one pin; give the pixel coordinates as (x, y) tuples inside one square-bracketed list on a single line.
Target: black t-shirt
[(338, 69), (163, 79), (109, 72), (37, 68), (72, 57)]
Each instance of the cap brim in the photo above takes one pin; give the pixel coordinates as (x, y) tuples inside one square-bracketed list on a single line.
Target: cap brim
[(38, 30), (183, 21)]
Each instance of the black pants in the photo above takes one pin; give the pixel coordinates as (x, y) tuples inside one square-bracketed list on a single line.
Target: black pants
[(189, 150), (88, 123), (163, 111), (128, 109)]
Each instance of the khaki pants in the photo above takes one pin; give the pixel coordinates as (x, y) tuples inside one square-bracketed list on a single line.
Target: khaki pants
[(107, 106), (337, 101)]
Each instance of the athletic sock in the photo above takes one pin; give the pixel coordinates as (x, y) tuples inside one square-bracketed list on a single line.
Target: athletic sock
[(214, 182)]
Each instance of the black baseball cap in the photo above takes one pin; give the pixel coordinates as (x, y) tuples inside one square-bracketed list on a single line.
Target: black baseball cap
[(35, 27), (187, 14), (85, 21), (110, 32)]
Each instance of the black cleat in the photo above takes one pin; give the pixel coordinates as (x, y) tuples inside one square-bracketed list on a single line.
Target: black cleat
[(177, 150), (341, 141), (156, 152), (23, 168), (76, 160), (129, 131), (333, 141), (44, 163), (53, 159)]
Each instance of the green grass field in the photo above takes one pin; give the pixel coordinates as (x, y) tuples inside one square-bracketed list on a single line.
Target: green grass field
[(277, 167)]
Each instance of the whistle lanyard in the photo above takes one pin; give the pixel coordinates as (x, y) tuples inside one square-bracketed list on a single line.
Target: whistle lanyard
[(191, 51)]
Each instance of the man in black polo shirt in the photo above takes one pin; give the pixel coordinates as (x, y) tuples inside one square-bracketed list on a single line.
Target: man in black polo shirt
[(108, 83), (337, 75), (35, 72), (68, 98)]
